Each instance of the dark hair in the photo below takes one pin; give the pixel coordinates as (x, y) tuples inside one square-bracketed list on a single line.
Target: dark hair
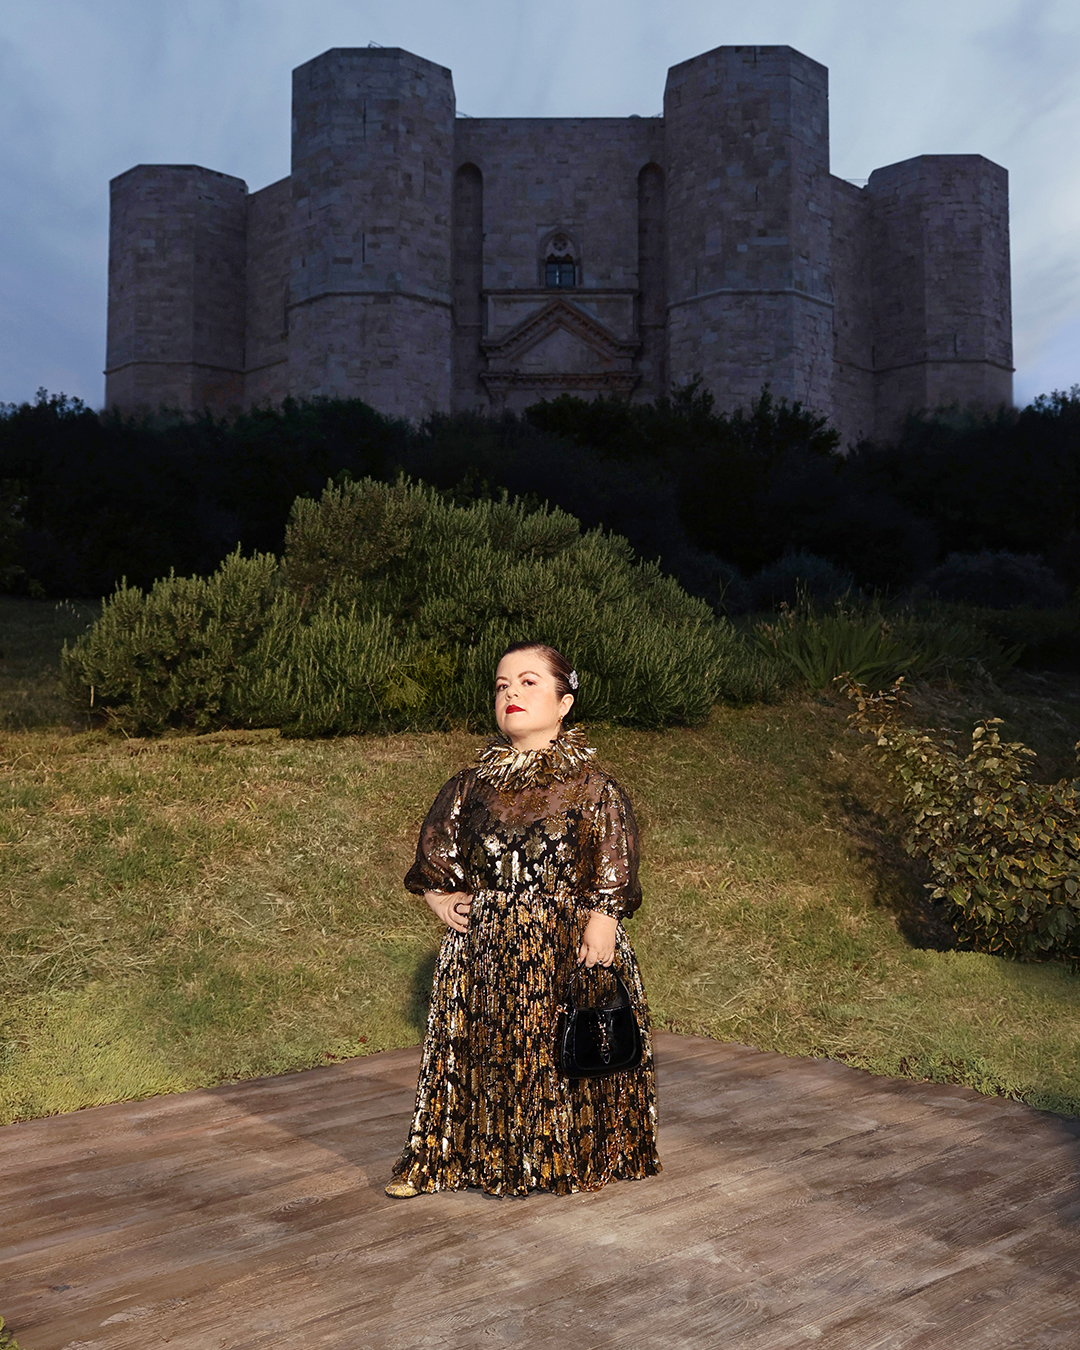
[(558, 665)]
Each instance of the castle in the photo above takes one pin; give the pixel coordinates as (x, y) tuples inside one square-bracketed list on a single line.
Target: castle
[(422, 260)]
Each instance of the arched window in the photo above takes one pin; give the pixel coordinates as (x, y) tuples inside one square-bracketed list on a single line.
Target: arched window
[(560, 267), (468, 282)]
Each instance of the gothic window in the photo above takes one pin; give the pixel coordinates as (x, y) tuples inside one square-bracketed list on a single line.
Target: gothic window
[(560, 272), (559, 259)]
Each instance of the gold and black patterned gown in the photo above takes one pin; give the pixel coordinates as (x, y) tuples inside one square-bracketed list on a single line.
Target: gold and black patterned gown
[(538, 839)]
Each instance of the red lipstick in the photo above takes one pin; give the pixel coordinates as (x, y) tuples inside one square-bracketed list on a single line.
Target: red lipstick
[(513, 707)]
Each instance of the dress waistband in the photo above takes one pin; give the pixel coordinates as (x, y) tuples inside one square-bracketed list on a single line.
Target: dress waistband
[(528, 893)]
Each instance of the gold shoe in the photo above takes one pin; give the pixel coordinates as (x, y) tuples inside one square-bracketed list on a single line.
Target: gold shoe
[(401, 1190)]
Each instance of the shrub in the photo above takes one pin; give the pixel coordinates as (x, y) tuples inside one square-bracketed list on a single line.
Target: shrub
[(799, 575), (996, 581), (876, 649), (390, 608), (1004, 851), (12, 524), (171, 658), (952, 643), (819, 647), (1048, 639), (332, 675), (465, 581)]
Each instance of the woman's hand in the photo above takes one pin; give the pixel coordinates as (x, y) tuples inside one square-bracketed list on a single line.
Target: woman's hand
[(451, 907), (598, 941)]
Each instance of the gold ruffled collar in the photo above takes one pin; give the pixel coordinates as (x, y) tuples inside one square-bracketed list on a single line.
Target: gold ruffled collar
[(505, 768)]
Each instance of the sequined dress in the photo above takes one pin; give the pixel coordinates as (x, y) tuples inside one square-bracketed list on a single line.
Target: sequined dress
[(538, 840)]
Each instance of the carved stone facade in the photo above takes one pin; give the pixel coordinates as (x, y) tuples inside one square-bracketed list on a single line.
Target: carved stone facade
[(424, 261)]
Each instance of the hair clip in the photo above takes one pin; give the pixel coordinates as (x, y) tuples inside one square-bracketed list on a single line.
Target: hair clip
[(572, 679)]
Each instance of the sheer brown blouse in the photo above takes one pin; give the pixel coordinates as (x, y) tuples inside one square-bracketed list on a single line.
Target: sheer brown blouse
[(573, 837)]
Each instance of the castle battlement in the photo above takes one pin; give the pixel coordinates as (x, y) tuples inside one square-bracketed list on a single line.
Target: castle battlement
[(424, 261)]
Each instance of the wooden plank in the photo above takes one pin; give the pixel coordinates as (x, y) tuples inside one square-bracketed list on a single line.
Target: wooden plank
[(801, 1201)]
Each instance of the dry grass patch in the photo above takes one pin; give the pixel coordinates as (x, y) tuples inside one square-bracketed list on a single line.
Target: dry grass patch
[(179, 912)]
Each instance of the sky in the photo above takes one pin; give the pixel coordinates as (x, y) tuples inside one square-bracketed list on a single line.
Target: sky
[(89, 88)]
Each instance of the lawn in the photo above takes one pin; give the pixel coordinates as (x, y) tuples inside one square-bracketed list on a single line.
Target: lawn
[(181, 912)]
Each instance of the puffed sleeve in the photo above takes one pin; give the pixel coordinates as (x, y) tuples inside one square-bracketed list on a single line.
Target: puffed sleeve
[(438, 865), (611, 873)]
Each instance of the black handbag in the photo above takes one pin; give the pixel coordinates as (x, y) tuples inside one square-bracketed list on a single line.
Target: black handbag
[(599, 1039)]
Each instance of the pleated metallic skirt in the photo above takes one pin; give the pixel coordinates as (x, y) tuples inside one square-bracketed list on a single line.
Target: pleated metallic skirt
[(492, 1110)]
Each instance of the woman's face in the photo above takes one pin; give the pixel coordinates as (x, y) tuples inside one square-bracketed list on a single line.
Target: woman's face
[(528, 708)]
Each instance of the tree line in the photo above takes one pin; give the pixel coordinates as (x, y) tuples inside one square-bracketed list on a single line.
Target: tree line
[(723, 500)]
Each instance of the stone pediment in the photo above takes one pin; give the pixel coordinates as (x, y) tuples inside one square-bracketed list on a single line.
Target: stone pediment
[(560, 349)]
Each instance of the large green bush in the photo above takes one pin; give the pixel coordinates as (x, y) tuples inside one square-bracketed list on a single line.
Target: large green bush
[(1004, 851), (390, 607), (174, 657)]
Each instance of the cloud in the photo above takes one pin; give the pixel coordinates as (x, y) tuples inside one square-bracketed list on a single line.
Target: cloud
[(86, 91)]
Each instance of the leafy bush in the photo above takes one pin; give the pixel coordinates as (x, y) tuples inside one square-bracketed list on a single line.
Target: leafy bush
[(174, 657), (108, 496), (390, 607), (799, 575), (875, 649), (1004, 851), (996, 581), (1008, 481), (717, 468), (1046, 639)]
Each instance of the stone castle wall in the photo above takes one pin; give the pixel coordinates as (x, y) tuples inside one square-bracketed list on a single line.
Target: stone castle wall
[(177, 288), (403, 261), (372, 172), (269, 257), (940, 285), (749, 271), (854, 400)]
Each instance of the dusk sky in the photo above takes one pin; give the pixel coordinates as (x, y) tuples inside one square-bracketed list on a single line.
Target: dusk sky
[(90, 87)]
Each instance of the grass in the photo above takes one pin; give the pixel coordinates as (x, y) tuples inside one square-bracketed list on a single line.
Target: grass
[(180, 912)]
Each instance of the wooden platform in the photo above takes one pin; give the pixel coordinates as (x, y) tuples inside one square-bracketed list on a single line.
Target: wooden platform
[(802, 1203)]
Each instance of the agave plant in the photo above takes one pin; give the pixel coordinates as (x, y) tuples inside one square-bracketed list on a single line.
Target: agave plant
[(822, 646), (874, 649)]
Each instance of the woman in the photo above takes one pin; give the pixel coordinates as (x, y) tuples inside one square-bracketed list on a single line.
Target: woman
[(530, 858)]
